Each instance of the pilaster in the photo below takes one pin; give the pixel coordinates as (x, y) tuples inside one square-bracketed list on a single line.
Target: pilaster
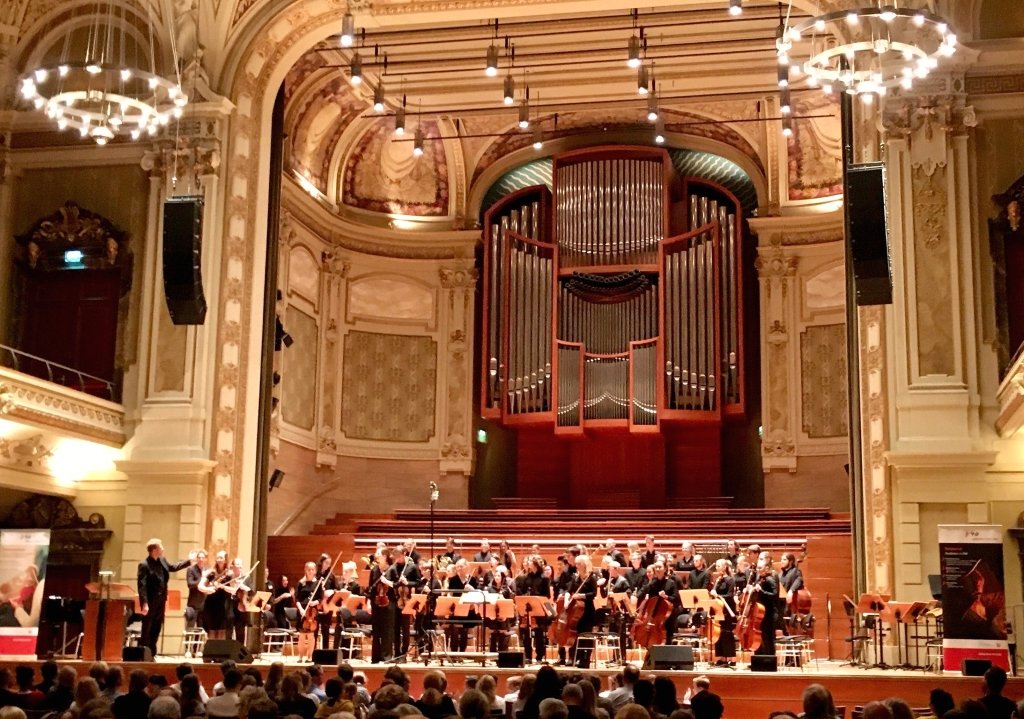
[(458, 282)]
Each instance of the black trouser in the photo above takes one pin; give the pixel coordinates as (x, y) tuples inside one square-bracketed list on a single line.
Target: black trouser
[(152, 625), (500, 631), (458, 637), (538, 646), (403, 626), (581, 657), (383, 636), (767, 647), (193, 617), (324, 620)]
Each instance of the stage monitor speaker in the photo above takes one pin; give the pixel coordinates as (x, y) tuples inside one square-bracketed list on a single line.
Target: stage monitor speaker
[(510, 660), (764, 663), (217, 650), (136, 654), (869, 233), (183, 251), (669, 656), (975, 667), (327, 657)]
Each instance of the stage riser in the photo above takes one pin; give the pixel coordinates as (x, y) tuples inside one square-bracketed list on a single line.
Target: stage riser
[(746, 695)]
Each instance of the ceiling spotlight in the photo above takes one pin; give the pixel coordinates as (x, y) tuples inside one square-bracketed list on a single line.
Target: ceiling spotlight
[(659, 132), (643, 85), (378, 97), (510, 90), (417, 144), (348, 30), (888, 14), (783, 75), (357, 68), (735, 7), (787, 127), (633, 57), (400, 121), (492, 61), (853, 17), (652, 107), (524, 115), (538, 137)]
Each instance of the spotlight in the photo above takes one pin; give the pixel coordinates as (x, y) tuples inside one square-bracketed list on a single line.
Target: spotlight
[(492, 61), (783, 75), (348, 30), (652, 107), (659, 131), (400, 121), (853, 18), (510, 90), (634, 52), (735, 7), (524, 115), (785, 107), (787, 127), (538, 137), (888, 14), (642, 83), (357, 68), (378, 97), (276, 479), (417, 145)]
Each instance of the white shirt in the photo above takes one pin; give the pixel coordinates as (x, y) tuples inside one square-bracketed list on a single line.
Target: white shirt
[(223, 705)]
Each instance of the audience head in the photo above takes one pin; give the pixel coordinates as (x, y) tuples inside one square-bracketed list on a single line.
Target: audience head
[(390, 696), (398, 676), (643, 693), (995, 680), (182, 670), (876, 710), (554, 709), (572, 695), (665, 701), (474, 705), (66, 678), (630, 674), (164, 708), (345, 672), (12, 713), (98, 671), (96, 709), (138, 680), (232, 680), (632, 711), (974, 709), (899, 708), (940, 702), (23, 677), (488, 686), (115, 678), (435, 679), (818, 702), (49, 670), (262, 708), (86, 690)]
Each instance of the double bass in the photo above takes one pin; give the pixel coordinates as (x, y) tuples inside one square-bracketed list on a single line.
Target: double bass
[(649, 626), (749, 614)]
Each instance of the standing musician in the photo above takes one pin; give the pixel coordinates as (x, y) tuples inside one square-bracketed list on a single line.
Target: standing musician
[(533, 583), (684, 565), (484, 555), (650, 555), (308, 593), (194, 605), (700, 576), (613, 553), (240, 605), (330, 586), (665, 587), (410, 551), (566, 579), (381, 594), (506, 556), (768, 588), (724, 587), (153, 575), (732, 551), (404, 578), (636, 573), (460, 582), (501, 584), (217, 614), (792, 580), (585, 585), (283, 598)]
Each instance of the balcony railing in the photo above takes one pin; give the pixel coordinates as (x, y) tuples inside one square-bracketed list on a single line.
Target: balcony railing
[(59, 374)]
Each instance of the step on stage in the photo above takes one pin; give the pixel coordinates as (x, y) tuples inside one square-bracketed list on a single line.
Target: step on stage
[(746, 694)]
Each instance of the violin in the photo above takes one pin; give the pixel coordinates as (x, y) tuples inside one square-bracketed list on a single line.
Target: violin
[(309, 612)]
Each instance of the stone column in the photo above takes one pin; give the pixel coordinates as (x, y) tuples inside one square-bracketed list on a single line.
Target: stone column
[(335, 269), (458, 283)]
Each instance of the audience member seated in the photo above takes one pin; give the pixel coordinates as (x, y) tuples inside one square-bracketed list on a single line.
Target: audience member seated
[(818, 703), (632, 711), (899, 708), (48, 673), (434, 703), (226, 705), (940, 701), (474, 705), (29, 698), (135, 703), (705, 704), (164, 707), (624, 694), (12, 712), (665, 696), (876, 710), (114, 682), (291, 700), (62, 693), (999, 707), (8, 697), (572, 697), (336, 699), (192, 704), (553, 709)]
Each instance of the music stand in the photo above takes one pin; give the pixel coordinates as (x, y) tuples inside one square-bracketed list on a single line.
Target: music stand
[(911, 616), (479, 598), (850, 607), (876, 605), (415, 604)]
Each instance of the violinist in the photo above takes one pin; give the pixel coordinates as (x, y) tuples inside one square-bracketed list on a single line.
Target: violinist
[(404, 577), (330, 586), (792, 580), (217, 605), (484, 555), (724, 586), (767, 588), (501, 584), (533, 583), (613, 553), (240, 608), (309, 595), (450, 552), (663, 586), (194, 605), (282, 599), (410, 551), (383, 613), (350, 583)]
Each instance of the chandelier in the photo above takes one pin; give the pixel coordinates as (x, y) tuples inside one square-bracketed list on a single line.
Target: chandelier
[(865, 51), (105, 82)]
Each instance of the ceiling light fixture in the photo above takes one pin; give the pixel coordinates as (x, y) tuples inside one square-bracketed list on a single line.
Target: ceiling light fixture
[(417, 143), (735, 7), (378, 97), (510, 90), (633, 51), (538, 137), (491, 70), (652, 107), (787, 126), (400, 119), (348, 30), (357, 68), (659, 131), (524, 114), (642, 81)]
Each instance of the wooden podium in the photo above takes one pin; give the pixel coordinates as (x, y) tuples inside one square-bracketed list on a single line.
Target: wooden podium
[(105, 623)]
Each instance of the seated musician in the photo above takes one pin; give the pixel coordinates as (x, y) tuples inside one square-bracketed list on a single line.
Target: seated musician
[(308, 593), (664, 587), (649, 555), (732, 551), (450, 553), (636, 574), (683, 564), (791, 579), (410, 551), (484, 555), (506, 556), (460, 582), (723, 586), (349, 582), (500, 584), (613, 553), (533, 630), (283, 598)]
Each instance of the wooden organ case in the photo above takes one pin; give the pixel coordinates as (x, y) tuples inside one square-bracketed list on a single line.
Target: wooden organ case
[(612, 328)]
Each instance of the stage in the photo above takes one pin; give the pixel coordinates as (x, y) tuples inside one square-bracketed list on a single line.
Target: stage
[(747, 694)]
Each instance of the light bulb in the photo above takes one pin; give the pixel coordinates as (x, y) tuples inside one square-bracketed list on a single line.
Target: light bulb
[(888, 14), (524, 115), (537, 137), (919, 19), (652, 108), (819, 25), (400, 121), (491, 70), (357, 68), (417, 145), (509, 95), (28, 88), (633, 52), (852, 18), (126, 74), (93, 68), (735, 7), (63, 70), (659, 132), (378, 97), (348, 30), (642, 82), (41, 75)]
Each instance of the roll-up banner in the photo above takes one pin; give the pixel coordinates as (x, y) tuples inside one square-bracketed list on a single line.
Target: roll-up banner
[(973, 595), (23, 556)]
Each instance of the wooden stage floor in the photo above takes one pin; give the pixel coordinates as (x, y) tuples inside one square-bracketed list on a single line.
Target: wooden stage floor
[(747, 695)]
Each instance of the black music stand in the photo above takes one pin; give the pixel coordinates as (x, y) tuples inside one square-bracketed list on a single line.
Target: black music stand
[(876, 609), (850, 607)]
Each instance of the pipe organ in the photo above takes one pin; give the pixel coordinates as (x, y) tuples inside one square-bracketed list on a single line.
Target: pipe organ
[(614, 299)]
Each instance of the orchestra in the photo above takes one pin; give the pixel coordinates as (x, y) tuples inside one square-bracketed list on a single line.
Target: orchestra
[(642, 596)]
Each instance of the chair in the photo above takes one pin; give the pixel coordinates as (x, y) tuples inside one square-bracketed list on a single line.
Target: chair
[(275, 640), (193, 640), (841, 712), (790, 651)]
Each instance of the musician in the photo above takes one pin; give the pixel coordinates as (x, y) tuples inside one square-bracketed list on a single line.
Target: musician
[(741, 575), (370, 560), (410, 551), (566, 578), (768, 595), (724, 586), (404, 577), (349, 583), (217, 613), (484, 555), (663, 586), (450, 553), (584, 587), (309, 592), (240, 607), (506, 556), (636, 573), (732, 551), (503, 585), (460, 582), (684, 564), (700, 576), (154, 573), (533, 583), (194, 605), (611, 551), (383, 614), (283, 598), (330, 586), (650, 555), (791, 579)]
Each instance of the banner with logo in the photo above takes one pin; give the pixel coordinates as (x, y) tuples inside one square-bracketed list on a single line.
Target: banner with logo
[(23, 556), (973, 594)]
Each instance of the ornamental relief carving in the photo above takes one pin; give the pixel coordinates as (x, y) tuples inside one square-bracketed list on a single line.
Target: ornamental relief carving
[(933, 291)]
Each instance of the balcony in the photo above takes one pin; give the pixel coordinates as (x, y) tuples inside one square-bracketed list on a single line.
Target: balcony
[(1011, 397), (36, 391)]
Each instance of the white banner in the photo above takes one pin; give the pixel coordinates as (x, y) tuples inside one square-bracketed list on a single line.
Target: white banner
[(23, 556)]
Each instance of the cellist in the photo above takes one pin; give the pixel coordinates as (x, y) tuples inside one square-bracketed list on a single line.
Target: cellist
[(767, 587), (661, 585), (584, 587), (724, 587)]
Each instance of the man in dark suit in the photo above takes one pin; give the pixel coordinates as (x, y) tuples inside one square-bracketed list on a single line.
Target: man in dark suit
[(194, 605), (154, 574)]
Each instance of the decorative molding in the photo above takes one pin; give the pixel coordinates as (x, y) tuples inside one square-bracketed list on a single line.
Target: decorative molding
[(28, 453), (1011, 400), (36, 401)]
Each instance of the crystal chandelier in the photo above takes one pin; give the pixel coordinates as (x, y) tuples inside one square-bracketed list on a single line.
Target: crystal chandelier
[(866, 51), (105, 83)]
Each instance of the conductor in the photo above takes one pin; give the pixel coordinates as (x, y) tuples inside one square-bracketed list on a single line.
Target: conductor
[(154, 574)]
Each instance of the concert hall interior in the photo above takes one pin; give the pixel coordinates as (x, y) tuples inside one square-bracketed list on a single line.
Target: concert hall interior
[(340, 289)]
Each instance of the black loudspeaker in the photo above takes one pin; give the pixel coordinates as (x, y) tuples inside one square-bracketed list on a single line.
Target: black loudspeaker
[(327, 657), (668, 656), (764, 663), (217, 650), (510, 660), (869, 233), (975, 667), (136, 654), (183, 250)]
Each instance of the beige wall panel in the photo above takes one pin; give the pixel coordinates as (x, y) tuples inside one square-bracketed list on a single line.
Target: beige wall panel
[(818, 482)]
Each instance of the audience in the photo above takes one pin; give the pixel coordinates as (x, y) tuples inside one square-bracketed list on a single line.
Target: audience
[(999, 707), (624, 693), (818, 703), (28, 697), (434, 703), (292, 701), (226, 705), (877, 710), (940, 701), (553, 709), (135, 703), (474, 705)]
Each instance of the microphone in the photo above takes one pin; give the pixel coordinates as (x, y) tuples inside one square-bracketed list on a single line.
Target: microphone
[(434, 493)]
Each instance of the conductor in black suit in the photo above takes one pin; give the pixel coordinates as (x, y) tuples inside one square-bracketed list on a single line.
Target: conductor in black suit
[(154, 574)]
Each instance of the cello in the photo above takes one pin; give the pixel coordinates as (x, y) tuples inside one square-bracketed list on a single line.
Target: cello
[(564, 630), (749, 615), (649, 626)]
